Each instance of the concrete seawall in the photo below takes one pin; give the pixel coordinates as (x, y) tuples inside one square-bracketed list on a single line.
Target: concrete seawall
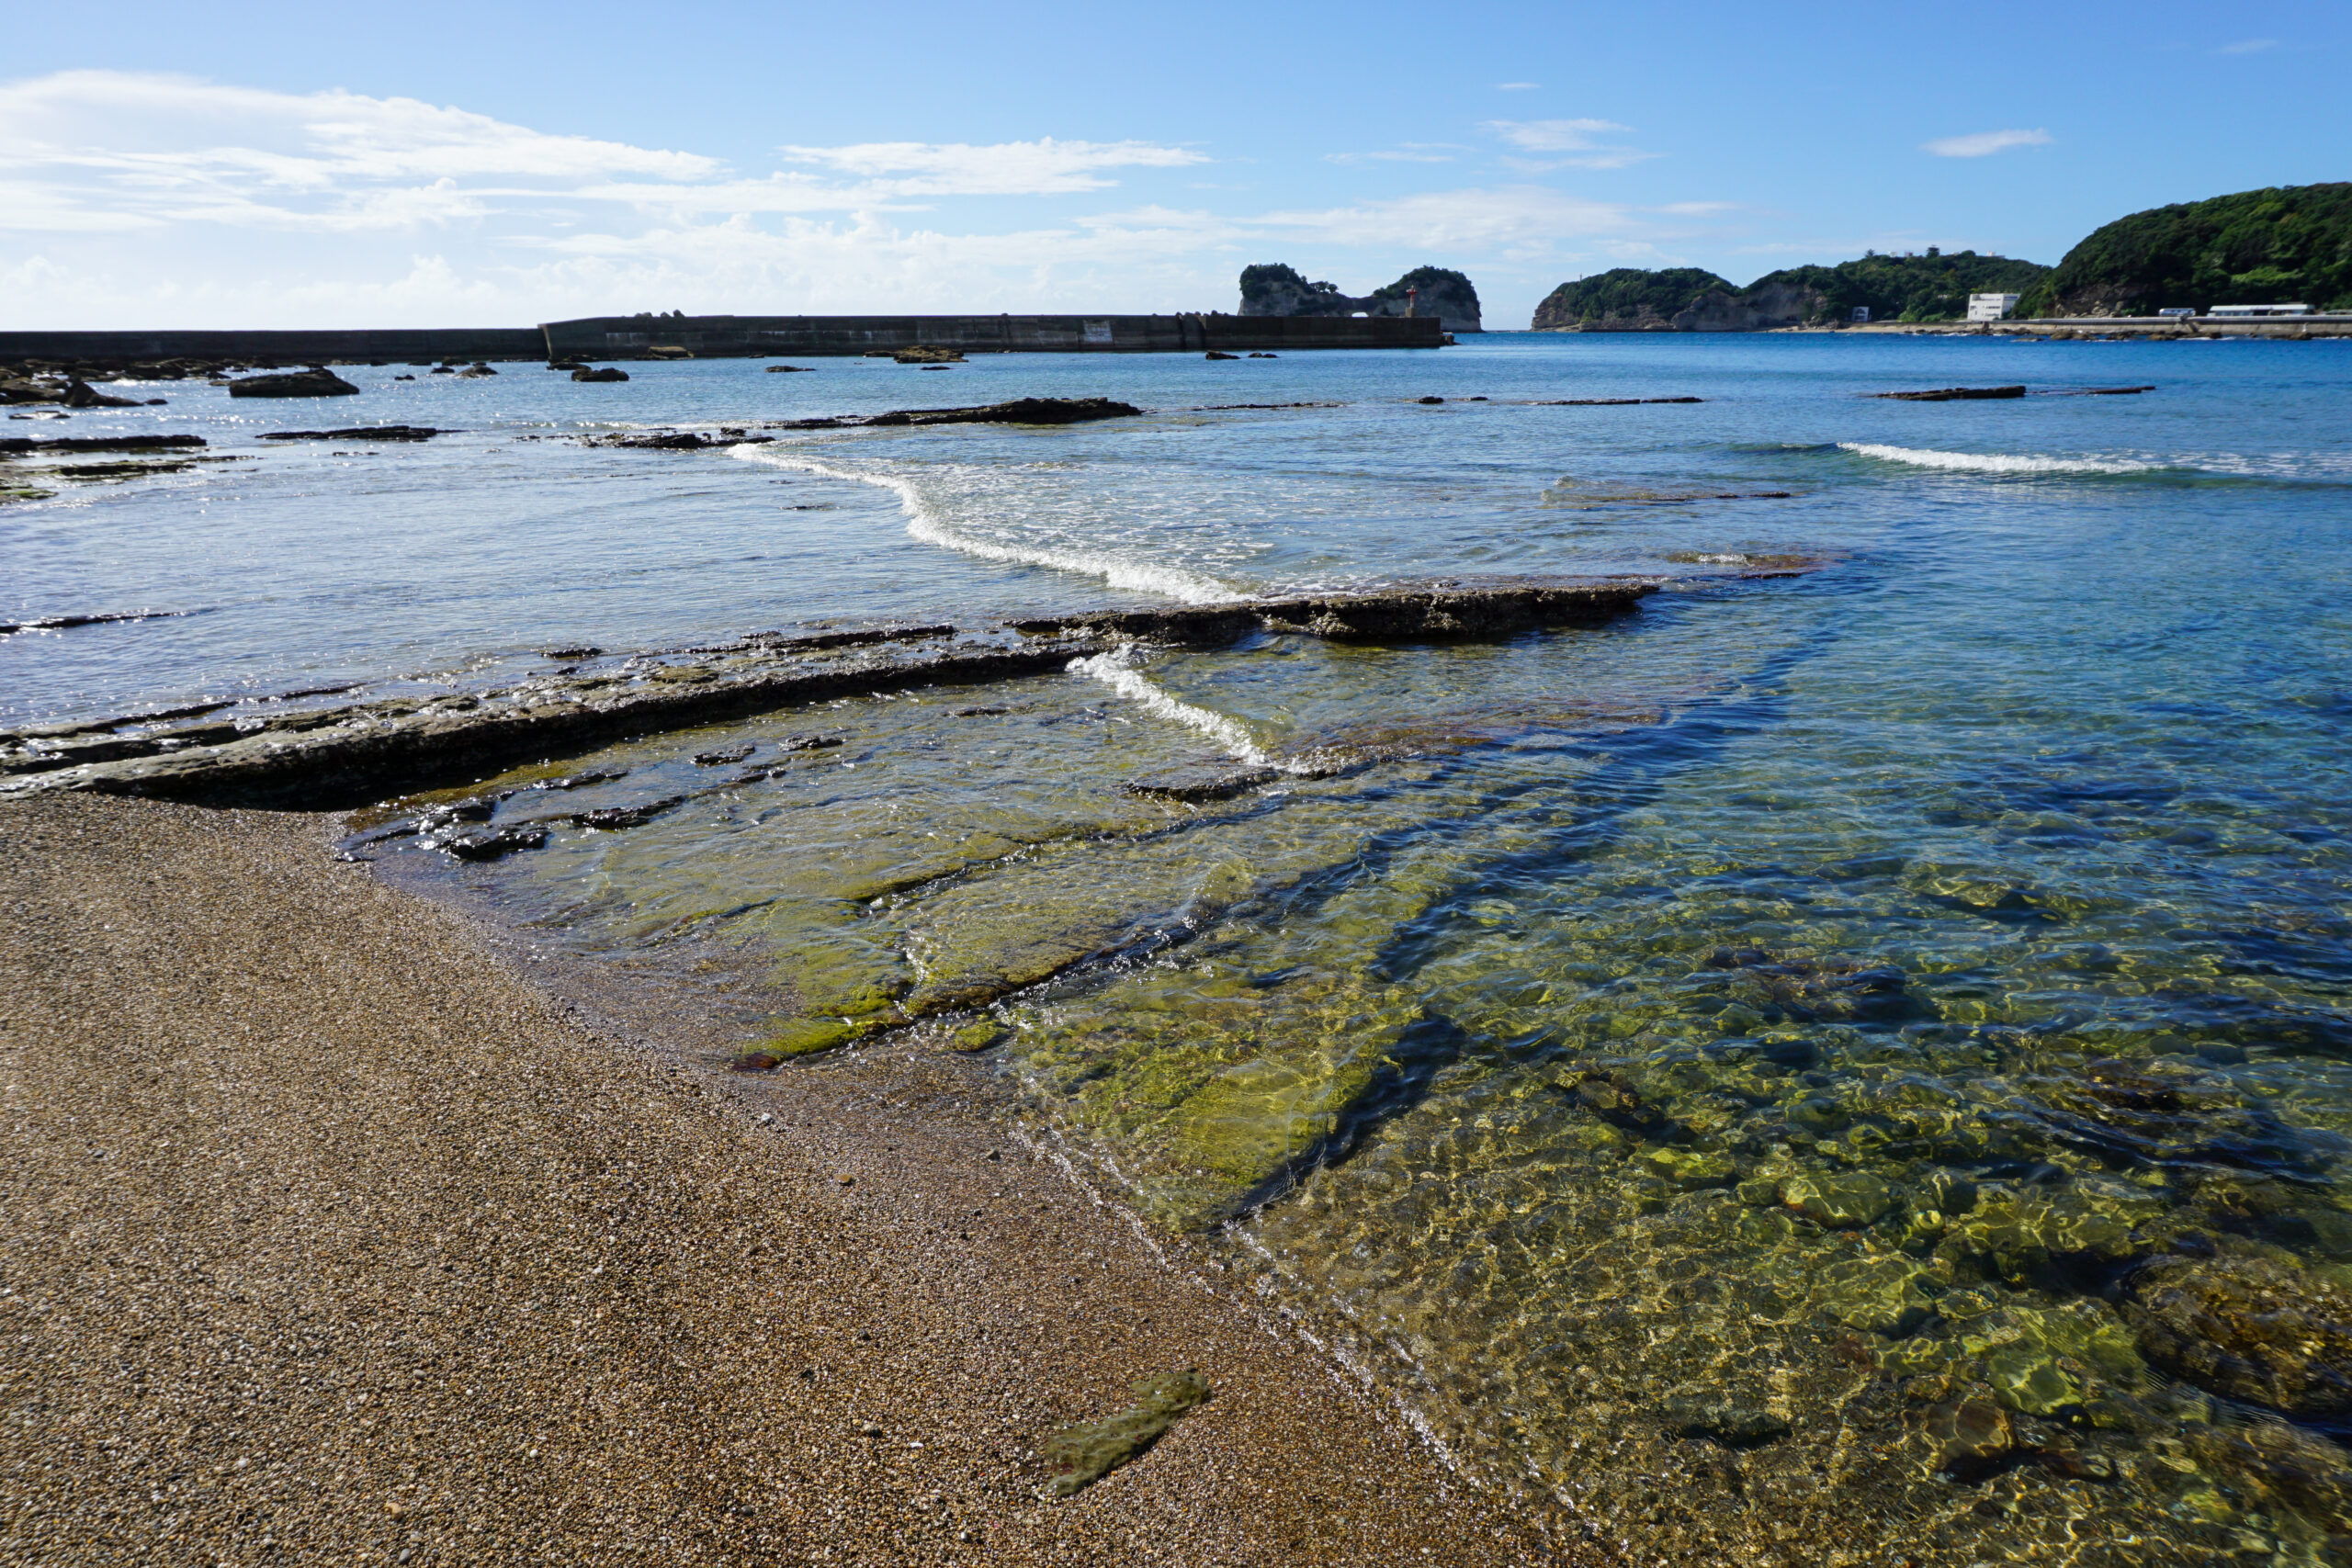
[(394, 345), (654, 338)]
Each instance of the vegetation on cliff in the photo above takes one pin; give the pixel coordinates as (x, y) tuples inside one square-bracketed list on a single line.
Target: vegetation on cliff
[(1930, 288), (2255, 247), (1628, 294)]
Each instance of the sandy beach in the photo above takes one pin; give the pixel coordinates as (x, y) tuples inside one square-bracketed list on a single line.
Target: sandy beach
[(331, 1239)]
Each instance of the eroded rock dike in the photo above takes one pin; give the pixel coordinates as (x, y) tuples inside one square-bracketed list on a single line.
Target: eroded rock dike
[(1274, 290), (338, 758)]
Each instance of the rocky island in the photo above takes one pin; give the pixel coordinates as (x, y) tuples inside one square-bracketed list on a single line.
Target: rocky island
[(1274, 290)]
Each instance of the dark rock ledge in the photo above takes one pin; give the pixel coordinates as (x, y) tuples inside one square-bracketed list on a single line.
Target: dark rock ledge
[(345, 757)]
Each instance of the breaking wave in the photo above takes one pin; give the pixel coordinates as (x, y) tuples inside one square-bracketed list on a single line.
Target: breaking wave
[(1115, 671), (925, 522), (1993, 462)]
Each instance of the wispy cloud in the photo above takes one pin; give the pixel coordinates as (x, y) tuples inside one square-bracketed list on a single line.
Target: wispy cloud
[(1410, 153), (98, 150), (2249, 45), (1044, 167), (1980, 143), (1574, 138), (1517, 86)]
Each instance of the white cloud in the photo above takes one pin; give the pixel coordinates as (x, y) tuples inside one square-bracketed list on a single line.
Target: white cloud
[(1044, 167), (1460, 220), (96, 150), (2249, 45), (1574, 137), (1517, 86), (1983, 142), (142, 198), (1410, 153)]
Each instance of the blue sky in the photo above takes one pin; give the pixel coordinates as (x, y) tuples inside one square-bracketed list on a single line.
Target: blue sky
[(430, 163)]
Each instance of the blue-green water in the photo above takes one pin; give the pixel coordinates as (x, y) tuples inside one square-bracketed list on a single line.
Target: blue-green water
[(1829, 1069)]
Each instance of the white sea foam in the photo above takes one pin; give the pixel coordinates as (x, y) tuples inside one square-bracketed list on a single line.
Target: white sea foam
[(1993, 462), (925, 522), (1116, 669)]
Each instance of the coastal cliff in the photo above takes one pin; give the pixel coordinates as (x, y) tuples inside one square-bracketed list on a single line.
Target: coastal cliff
[(1930, 288), (1276, 289)]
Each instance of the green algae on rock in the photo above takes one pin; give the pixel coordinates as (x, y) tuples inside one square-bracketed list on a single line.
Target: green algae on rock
[(1079, 1456)]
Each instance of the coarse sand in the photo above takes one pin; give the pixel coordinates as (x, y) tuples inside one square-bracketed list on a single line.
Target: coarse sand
[(330, 1239)]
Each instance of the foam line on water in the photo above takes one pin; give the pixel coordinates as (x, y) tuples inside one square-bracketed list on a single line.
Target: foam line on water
[(1115, 671), (925, 523), (1991, 462)]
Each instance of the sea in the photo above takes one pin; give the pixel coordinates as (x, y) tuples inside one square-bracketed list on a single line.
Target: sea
[(1850, 1063)]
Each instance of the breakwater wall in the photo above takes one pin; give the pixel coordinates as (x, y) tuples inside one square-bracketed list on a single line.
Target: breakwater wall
[(624, 337), (393, 345), (701, 337)]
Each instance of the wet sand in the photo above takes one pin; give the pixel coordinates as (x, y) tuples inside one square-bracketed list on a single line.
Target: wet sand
[(329, 1238)]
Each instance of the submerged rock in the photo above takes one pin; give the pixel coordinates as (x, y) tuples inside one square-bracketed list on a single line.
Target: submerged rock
[(1972, 1434), (1081, 1456), (1732, 1423), (724, 756), (1882, 1295), (1219, 353), (612, 818), (929, 354), (294, 384), (491, 843), (360, 433), (1203, 783), (1953, 394), (609, 373), (2247, 1330), (1839, 1201)]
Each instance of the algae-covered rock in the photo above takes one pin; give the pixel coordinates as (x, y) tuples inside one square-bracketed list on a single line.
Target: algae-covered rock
[(1841, 1202), (805, 1036), (1882, 1295), (1689, 1169), (1248, 1124), (1081, 1456), (2027, 1378), (2248, 1329), (2015, 1237)]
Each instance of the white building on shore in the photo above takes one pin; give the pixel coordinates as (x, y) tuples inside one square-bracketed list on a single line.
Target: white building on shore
[(1990, 307)]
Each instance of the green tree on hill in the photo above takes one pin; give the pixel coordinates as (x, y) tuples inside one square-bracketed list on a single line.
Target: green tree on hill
[(1930, 288), (2273, 247), (1628, 294)]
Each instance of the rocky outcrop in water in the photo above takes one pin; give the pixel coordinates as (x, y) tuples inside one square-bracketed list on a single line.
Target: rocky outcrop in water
[(361, 433), (609, 373), (1274, 290), (348, 756), (294, 384), (1954, 394)]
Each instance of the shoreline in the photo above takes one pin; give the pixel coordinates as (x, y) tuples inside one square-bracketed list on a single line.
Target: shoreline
[(397, 1256)]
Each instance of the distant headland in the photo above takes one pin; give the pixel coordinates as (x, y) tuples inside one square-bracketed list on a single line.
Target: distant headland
[(2283, 245)]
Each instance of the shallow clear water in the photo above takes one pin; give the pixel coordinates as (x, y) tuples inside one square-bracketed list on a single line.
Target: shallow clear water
[(1819, 1070)]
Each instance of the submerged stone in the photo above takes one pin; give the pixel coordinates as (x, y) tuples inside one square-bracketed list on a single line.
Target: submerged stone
[(2249, 1329), (1840, 1201), (1079, 1456), (1729, 1422), (1882, 1295)]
